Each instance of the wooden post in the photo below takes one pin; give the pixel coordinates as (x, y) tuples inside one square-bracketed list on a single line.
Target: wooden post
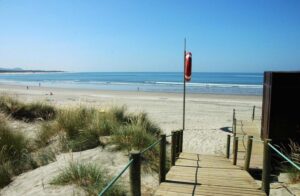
[(253, 113), (266, 168), (173, 148), (248, 153), (162, 159), (180, 140), (177, 143), (135, 173), (233, 115), (235, 149), (234, 127), (228, 147)]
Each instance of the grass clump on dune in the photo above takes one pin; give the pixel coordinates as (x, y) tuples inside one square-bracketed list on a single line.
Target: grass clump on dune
[(87, 176), (14, 154), (80, 128), (26, 112), (293, 152)]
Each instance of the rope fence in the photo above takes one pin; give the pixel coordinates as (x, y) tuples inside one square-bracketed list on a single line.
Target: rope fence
[(151, 146), (285, 157), (134, 163), (267, 147), (111, 183)]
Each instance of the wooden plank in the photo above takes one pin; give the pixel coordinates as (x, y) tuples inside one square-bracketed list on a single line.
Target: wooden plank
[(206, 190), (195, 174)]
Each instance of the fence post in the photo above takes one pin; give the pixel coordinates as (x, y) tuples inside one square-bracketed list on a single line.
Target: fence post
[(162, 159), (234, 127), (135, 173), (266, 167), (248, 153), (181, 145), (235, 149), (233, 115), (180, 140), (177, 143), (173, 148), (228, 147), (253, 113)]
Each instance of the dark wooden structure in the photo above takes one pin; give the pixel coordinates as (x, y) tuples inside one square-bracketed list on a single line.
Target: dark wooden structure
[(281, 107)]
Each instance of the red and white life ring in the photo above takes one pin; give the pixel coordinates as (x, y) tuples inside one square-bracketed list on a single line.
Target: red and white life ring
[(188, 66)]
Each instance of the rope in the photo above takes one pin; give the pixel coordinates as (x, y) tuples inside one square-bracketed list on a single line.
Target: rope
[(149, 147), (256, 140), (286, 158), (115, 179)]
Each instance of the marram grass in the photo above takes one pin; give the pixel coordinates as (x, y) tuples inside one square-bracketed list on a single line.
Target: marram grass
[(89, 177), (27, 112)]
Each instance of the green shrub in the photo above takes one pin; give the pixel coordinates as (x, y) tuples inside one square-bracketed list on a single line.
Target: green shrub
[(87, 176)]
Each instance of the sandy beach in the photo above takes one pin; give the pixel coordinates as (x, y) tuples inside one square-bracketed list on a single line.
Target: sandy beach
[(205, 116)]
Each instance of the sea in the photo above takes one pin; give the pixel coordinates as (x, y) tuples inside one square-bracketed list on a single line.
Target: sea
[(171, 82)]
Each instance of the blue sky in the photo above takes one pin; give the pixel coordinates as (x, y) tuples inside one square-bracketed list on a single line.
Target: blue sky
[(147, 35)]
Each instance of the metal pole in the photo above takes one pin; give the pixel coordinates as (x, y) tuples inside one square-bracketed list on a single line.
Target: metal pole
[(184, 53)]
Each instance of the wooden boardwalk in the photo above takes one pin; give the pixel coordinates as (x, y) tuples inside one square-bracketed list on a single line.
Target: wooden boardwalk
[(195, 174)]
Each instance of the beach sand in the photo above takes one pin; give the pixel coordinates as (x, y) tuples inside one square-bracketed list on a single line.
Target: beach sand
[(205, 116)]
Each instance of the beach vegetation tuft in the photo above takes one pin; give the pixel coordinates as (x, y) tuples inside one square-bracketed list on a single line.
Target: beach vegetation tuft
[(293, 152), (89, 177), (15, 157), (27, 112)]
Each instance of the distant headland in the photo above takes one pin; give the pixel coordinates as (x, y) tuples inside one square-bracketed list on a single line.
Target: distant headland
[(20, 70)]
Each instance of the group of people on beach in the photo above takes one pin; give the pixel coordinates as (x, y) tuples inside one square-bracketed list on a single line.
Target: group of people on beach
[(27, 87)]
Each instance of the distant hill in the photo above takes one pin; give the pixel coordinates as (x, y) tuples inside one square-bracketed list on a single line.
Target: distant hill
[(20, 70)]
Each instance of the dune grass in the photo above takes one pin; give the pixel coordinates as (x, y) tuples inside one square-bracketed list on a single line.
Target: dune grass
[(82, 128), (27, 112), (5, 176), (89, 177), (75, 129), (14, 154), (293, 152)]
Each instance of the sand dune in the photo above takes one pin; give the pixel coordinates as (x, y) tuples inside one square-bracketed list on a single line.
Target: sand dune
[(205, 115)]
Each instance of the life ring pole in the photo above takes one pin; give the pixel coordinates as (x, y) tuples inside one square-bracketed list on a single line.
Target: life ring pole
[(184, 85)]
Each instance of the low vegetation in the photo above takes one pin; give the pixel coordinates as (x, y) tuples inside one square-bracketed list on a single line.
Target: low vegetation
[(26, 112), (293, 152), (73, 129), (89, 177), (14, 153)]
